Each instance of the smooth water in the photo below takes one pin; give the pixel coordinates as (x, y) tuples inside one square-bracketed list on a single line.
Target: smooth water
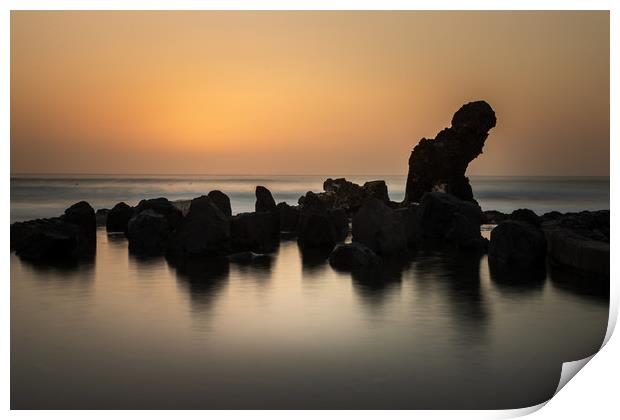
[(426, 331)]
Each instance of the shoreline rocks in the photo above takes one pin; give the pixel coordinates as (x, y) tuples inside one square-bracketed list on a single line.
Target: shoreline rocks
[(518, 244)]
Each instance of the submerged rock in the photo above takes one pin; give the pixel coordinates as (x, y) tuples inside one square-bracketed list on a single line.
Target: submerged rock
[(517, 245), (352, 256), (380, 228), (439, 164), (446, 220), (580, 240), (205, 231), (264, 200), (118, 218)]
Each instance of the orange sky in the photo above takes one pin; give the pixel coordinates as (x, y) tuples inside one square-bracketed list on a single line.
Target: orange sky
[(304, 92)]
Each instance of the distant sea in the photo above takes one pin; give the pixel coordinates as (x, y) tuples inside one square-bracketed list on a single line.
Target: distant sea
[(35, 196)]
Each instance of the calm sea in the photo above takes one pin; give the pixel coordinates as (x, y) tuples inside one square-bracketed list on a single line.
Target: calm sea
[(429, 330)]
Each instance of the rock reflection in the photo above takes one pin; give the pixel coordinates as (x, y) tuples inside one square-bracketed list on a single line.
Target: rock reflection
[(313, 260), (255, 267), (587, 286), (203, 279), (511, 281), (374, 284)]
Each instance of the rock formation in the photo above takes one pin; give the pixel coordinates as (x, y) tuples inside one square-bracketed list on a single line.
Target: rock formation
[(352, 256), (517, 244), (380, 228), (439, 164), (118, 218), (349, 196), (264, 200), (319, 227)]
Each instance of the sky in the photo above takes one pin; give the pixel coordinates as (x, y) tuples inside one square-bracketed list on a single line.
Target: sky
[(324, 93)]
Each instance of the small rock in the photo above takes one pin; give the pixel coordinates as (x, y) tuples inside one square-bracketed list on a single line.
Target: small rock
[(264, 200), (518, 244), (352, 256), (380, 228), (118, 218)]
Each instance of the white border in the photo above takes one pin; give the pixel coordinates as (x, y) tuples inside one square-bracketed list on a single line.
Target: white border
[(594, 394)]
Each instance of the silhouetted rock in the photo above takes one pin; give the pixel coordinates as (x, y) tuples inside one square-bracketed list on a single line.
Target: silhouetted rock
[(319, 228), (439, 164), (552, 215), (101, 216), (222, 201), (517, 245), (525, 215), (289, 217), (411, 223), (264, 200), (58, 239), (380, 228), (148, 232), (256, 231), (352, 256), (118, 218), (249, 258), (580, 240), (448, 221), (493, 217), (205, 231), (349, 196), (161, 206)]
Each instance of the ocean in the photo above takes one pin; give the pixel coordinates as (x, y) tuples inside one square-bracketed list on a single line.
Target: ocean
[(35, 196), (428, 330)]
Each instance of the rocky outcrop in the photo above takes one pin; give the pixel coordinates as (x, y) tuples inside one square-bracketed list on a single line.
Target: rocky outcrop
[(525, 215), (65, 238), (349, 196), (411, 224), (518, 245), (150, 227), (445, 220), (380, 228), (264, 200), (493, 217), (289, 217), (222, 201), (580, 240), (204, 232), (439, 164), (101, 216), (118, 218), (353, 256), (318, 227), (255, 231)]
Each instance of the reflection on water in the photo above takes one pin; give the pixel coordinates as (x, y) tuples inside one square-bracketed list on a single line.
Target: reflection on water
[(428, 331)]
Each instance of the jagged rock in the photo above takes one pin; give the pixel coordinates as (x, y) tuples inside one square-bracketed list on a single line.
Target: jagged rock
[(439, 164), (411, 224), (118, 218), (494, 217), (289, 217), (352, 256), (205, 231), (264, 200), (580, 240), (380, 228), (447, 220), (148, 232), (517, 244), (57, 239), (319, 228), (349, 196), (161, 206), (222, 201), (525, 215), (256, 231), (101, 216)]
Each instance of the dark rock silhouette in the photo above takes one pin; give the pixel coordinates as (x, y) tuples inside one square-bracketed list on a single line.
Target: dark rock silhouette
[(255, 231), (448, 221), (161, 206), (580, 240), (289, 217), (101, 216), (380, 228), (118, 218), (493, 217), (439, 164), (264, 200), (318, 227), (68, 237), (205, 231), (352, 256), (525, 215), (222, 201), (411, 224), (349, 196), (148, 233), (518, 245)]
